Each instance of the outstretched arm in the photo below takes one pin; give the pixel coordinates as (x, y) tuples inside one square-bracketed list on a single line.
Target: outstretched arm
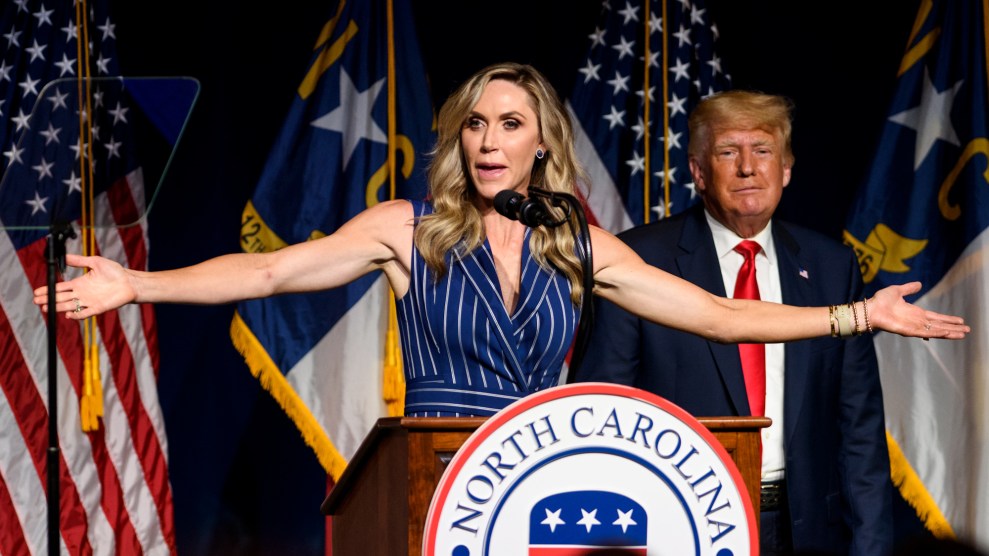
[(622, 277), (379, 238)]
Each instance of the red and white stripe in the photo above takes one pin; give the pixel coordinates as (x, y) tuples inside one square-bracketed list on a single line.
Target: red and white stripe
[(115, 496), (604, 204)]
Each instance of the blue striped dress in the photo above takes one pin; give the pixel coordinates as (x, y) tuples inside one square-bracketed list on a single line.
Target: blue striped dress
[(464, 355)]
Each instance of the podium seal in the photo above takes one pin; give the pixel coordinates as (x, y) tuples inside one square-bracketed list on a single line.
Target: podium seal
[(587, 466)]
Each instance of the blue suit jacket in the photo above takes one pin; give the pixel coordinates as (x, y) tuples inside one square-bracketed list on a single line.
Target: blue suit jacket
[(837, 463)]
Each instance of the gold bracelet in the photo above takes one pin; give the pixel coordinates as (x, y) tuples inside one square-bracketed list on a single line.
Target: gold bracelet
[(865, 309), (855, 314), (844, 320), (831, 319)]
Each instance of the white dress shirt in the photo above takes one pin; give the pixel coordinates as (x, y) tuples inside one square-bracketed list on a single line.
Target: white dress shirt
[(768, 277)]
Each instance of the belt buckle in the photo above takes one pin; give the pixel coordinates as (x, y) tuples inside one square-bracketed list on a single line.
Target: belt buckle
[(770, 496)]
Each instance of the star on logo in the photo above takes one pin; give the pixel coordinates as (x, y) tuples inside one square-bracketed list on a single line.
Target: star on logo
[(589, 520), (624, 519), (553, 519), (353, 117)]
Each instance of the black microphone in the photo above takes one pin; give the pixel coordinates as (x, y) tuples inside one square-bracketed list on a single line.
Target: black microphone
[(514, 206)]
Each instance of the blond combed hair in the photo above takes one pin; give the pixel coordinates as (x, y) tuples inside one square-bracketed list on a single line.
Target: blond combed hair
[(456, 222), (741, 109)]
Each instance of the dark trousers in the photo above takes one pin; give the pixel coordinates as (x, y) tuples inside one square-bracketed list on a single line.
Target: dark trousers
[(774, 532)]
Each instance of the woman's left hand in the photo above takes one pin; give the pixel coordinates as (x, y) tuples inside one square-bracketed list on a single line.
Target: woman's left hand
[(889, 311)]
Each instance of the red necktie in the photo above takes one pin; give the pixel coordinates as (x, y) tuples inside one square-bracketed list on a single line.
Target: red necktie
[(753, 355)]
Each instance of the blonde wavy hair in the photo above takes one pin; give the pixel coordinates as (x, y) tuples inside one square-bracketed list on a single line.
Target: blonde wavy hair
[(456, 222)]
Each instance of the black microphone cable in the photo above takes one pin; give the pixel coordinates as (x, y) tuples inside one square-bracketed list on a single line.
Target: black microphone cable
[(571, 205)]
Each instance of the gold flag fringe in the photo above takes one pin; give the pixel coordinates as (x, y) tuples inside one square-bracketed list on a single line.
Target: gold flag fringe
[(272, 380), (913, 491)]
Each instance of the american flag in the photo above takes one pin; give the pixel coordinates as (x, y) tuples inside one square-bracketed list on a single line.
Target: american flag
[(114, 490), (614, 96)]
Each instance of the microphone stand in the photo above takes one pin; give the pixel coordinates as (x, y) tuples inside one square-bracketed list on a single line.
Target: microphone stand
[(58, 233), (571, 206)]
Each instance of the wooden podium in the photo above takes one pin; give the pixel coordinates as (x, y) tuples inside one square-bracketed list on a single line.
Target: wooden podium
[(379, 505)]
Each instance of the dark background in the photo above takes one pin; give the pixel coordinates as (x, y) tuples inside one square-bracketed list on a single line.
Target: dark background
[(243, 481)]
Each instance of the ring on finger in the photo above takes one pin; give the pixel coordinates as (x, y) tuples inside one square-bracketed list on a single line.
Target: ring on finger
[(78, 308), (927, 326)]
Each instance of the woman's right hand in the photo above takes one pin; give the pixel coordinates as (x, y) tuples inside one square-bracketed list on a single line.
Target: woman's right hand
[(105, 285)]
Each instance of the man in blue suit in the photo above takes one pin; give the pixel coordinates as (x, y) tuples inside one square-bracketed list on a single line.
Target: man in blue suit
[(825, 471)]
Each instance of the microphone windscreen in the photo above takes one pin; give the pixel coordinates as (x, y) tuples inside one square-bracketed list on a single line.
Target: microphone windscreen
[(507, 203)]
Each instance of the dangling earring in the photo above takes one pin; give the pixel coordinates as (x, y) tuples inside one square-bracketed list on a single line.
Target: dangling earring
[(540, 154)]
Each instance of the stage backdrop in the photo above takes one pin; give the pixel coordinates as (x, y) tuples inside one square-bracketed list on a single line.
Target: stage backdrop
[(243, 478)]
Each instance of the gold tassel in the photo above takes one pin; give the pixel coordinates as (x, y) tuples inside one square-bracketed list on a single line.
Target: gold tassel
[(91, 402), (86, 416), (94, 357), (393, 388)]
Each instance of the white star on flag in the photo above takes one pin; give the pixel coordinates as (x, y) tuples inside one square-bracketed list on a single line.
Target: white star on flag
[(37, 204), (628, 157), (342, 119), (931, 119)]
